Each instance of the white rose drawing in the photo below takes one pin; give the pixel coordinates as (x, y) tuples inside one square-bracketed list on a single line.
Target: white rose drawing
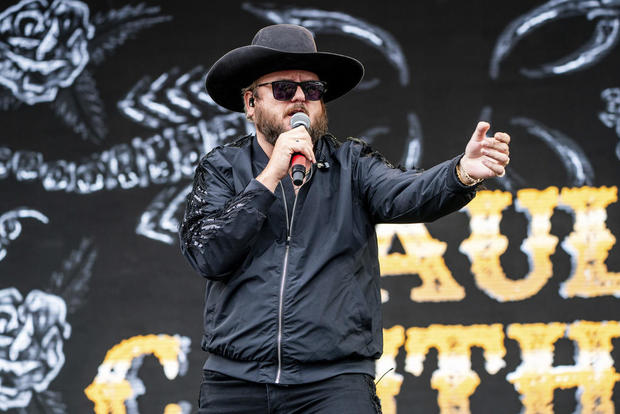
[(43, 47), (32, 331), (47, 48)]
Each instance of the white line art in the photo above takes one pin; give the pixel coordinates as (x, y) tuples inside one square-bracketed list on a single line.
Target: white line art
[(46, 47), (412, 155), (604, 38), (611, 116), (575, 161), (332, 22), (33, 331), (160, 220), (11, 228)]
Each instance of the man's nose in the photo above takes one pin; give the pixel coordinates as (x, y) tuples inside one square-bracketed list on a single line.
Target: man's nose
[(299, 94)]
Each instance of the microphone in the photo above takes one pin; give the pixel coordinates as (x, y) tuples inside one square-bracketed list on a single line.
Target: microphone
[(298, 160)]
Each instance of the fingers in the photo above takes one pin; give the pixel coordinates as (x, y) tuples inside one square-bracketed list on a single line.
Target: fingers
[(300, 141), (481, 130), (498, 156), (492, 152), (502, 137), (492, 144), (292, 141), (496, 153), (288, 143), (492, 165)]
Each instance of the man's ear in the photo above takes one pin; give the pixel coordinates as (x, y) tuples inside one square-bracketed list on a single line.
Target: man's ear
[(249, 102)]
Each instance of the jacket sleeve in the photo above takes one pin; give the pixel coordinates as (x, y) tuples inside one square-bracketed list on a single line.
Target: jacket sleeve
[(219, 227), (396, 196)]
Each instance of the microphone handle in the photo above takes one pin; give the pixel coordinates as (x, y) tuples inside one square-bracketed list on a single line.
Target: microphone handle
[(299, 169)]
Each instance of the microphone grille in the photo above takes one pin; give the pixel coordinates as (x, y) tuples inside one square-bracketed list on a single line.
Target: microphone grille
[(300, 119)]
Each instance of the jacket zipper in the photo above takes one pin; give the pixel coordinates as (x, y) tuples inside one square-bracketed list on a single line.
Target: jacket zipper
[(289, 231)]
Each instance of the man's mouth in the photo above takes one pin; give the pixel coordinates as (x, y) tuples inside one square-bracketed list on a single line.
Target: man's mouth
[(296, 110)]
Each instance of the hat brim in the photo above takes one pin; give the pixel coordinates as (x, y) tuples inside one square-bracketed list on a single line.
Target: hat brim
[(240, 67)]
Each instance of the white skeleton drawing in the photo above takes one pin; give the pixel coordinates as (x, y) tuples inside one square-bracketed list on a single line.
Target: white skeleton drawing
[(187, 124)]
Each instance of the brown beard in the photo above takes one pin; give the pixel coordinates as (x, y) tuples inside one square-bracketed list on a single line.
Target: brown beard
[(269, 126)]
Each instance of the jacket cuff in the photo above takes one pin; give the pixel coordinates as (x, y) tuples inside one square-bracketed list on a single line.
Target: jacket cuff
[(263, 198), (453, 182)]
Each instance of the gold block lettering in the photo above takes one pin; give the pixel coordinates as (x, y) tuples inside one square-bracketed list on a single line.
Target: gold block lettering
[(173, 409), (454, 379), (181, 408), (117, 382), (589, 243), (390, 381), (424, 257), (485, 245), (593, 374)]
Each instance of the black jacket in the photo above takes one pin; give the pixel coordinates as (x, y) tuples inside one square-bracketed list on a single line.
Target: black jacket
[(292, 292)]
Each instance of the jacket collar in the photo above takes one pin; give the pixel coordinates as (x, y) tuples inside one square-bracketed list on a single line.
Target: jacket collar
[(259, 158)]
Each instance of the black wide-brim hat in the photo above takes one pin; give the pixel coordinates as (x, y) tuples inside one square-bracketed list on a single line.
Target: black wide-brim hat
[(275, 48)]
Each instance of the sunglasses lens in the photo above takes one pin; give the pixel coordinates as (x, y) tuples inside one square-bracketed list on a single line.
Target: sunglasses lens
[(284, 90), (313, 90)]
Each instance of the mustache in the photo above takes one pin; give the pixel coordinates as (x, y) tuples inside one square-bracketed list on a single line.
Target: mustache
[(299, 107)]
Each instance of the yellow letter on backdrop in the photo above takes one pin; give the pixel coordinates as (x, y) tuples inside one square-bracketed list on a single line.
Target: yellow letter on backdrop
[(485, 245), (423, 256), (389, 380), (589, 243), (117, 384), (593, 373), (455, 380)]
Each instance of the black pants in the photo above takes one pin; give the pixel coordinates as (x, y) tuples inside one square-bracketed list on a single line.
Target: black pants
[(342, 394)]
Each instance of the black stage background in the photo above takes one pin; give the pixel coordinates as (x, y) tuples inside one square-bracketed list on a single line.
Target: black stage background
[(96, 155)]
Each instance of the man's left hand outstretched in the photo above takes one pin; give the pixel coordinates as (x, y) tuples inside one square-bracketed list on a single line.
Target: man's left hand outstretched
[(485, 157)]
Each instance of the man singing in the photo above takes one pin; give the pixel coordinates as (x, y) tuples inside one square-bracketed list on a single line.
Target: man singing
[(292, 319)]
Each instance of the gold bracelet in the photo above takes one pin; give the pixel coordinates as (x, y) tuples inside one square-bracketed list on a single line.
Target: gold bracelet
[(465, 178)]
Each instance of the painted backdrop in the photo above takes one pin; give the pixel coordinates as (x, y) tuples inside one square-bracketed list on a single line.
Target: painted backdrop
[(510, 305)]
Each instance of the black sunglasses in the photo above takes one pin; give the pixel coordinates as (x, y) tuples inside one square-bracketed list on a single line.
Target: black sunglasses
[(284, 90)]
